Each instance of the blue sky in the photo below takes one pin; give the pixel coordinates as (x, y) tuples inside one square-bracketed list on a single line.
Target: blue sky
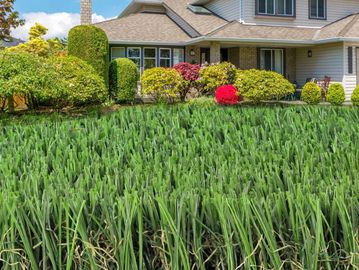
[(59, 16), (106, 8)]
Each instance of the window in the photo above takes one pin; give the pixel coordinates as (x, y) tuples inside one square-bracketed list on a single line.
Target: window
[(149, 58), (118, 52), (318, 9), (178, 56), (276, 7), (165, 58), (272, 59), (135, 55)]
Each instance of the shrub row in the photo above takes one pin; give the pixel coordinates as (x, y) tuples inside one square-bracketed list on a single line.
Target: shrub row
[(58, 81)]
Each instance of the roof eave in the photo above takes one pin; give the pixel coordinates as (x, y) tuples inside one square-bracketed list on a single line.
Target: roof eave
[(147, 43)]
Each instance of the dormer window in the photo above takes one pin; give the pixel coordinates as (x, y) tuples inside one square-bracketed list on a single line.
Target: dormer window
[(285, 8), (318, 9)]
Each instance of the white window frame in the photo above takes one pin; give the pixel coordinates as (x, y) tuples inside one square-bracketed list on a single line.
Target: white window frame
[(113, 58), (317, 16), (144, 57), (173, 53), (275, 11), (128, 55), (161, 58), (273, 49)]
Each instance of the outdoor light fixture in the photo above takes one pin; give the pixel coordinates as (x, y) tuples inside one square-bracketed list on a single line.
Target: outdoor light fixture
[(310, 53), (192, 52)]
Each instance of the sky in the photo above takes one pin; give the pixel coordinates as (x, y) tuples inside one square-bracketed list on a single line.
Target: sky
[(61, 15)]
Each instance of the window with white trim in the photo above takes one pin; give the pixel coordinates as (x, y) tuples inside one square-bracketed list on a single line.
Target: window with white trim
[(165, 57), (134, 54), (118, 52), (276, 7), (318, 9), (178, 56), (149, 58), (272, 59)]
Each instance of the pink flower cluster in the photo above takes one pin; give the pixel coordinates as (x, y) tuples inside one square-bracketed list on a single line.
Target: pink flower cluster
[(227, 95)]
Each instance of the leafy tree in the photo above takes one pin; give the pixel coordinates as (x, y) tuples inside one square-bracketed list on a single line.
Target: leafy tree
[(38, 45), (8, 18)]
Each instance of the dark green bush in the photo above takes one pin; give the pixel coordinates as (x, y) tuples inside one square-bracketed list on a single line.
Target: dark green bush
[(336, 94), (30, 76), (311, 93), (123, 79), (83, 86), (90, 44), (355, 96), (260, 85)]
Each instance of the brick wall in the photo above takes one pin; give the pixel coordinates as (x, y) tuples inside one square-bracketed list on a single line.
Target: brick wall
[(248, 58), (193, 59), (86, 12)]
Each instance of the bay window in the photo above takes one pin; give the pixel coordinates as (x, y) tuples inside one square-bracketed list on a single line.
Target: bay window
[(178, 56), (318, 9), (118, 52), (276, 7), (134, 54), (149, 58), (165, 57)]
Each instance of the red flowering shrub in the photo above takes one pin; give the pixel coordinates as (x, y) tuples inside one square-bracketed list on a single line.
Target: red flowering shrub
[(227, 95), (188, 71)]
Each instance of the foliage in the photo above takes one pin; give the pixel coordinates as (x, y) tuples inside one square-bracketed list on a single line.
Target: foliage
[(83, 85), (311, 93), (227, 95), (355, 96), (30, 76), (202, 101), (38, 45), (336, 94), (161, 83), (215, 75), (182, 187), (9, 19), (123, 79), (262, 85), (90, 44), (190, 74)]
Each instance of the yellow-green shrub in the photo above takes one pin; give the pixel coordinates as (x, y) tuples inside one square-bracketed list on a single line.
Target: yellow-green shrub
[(259, 85), (355, 96), (311, 93), (161, 83), (213, 76), (336, 94)]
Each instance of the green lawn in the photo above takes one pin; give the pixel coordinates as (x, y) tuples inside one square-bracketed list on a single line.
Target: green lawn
[(182, 188)]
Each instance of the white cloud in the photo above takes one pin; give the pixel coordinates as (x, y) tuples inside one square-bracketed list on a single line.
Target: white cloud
[(58, 24)]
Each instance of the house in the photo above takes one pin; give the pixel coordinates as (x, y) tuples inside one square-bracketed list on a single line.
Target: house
[(300, 39)]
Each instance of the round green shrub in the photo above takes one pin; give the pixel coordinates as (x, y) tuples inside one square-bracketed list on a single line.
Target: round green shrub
[(311, 93), (261, 85), (30, 76), (123, 79), (216, 75), (83, 85), (336, 94), (163, 84), (90, 44), (355, 96)]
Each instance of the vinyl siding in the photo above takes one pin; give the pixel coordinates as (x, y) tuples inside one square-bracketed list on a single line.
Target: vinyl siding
[(227, 9), (336, 9), (327, 60)]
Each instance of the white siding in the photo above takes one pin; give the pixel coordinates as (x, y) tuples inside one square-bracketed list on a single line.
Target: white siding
[(227, 9), (327, 60), (350, 81), (337, 9)]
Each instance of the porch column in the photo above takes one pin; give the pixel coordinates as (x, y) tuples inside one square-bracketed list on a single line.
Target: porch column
[(215, 52)]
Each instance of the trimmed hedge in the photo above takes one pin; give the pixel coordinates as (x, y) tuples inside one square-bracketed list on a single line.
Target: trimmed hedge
[(123, 79), (83, 86), (336, 94), (355, 96), (261, 85), (311, 93), (90, 44)]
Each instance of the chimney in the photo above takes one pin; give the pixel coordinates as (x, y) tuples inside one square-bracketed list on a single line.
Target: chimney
[(86, 12)]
